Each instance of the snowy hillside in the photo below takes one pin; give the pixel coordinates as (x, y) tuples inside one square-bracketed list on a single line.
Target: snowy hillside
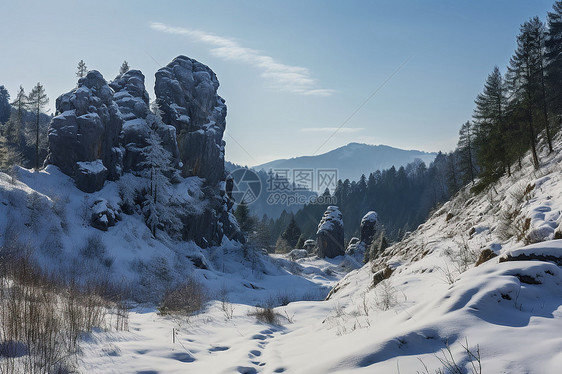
[(434, 311)]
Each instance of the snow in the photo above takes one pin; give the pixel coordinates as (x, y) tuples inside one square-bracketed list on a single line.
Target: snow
[(510, 311), (331, 216), (92, 167), (370, 217)]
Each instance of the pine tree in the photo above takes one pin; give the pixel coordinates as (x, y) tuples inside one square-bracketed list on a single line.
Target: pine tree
[(37, 100), (5, 108), (124, 68), (82, 69), (158, 164), (292, 233), (245, 220), (490, 128), (553, 44), (20, 104), (523, 67), (466, 153)]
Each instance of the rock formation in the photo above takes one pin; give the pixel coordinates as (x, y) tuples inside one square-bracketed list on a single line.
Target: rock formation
[(186, 94), (102, 130), (368, 229), (84, 135), (329, 237)]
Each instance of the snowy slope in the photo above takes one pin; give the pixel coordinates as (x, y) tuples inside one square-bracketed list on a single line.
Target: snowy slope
[(507, 313)]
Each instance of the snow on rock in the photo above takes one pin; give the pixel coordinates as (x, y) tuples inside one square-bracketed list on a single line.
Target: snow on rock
[(186, 93), (90, 176), (368, 229), (550, 251), (86, 128), (330, 234), (104, 215)]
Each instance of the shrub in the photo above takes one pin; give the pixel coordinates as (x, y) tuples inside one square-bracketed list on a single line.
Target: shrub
[(265, 315), (94, 247), (186, 299)]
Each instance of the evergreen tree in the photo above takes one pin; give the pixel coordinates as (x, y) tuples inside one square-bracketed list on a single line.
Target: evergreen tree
[(490, 128), (538, 32), (124, 68), (466, 153), (158, 171), (262, 235), (292, 233), (5, 108), (523, 67), (245, 220), (82, 69), (20, 104), (553, 44), (37, 100)]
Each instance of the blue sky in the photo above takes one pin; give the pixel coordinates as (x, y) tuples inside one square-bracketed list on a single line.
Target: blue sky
[(291, 72)]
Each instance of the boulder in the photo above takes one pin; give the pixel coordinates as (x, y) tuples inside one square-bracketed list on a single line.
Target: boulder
[(104, 215), (90, 176), (329, 237)]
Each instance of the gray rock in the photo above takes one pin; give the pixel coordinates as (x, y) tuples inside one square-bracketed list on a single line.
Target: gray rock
[(104, 215), (85, 129), (368, 228), (329, 237), (90, 176), (186, 94)]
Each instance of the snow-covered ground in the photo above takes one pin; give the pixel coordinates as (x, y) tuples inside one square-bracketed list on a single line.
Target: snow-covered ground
[(509, 314), (435, 308)]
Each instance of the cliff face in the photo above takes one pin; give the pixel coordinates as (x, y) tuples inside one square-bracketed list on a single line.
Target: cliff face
[(103, 130), (186, 94), (84, 136)]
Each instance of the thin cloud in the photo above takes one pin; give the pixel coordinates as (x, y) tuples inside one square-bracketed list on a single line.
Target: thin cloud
[(293, 79), (332, 129)]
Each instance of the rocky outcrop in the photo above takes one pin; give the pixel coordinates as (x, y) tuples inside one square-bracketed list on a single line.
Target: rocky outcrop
[(85, 133), (104, 215), (103, 130), (368, 229), (133, 101), (186, 94), (329, 237)]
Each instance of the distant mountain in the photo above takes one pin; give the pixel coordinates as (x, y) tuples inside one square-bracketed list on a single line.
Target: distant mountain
[(352, 160)]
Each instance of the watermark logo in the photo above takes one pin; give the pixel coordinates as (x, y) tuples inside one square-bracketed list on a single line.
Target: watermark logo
[(296, 186), (282, 180), (246, 187)]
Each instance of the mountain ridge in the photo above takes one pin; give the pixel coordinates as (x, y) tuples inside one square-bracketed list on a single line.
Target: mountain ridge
[(352, 160)]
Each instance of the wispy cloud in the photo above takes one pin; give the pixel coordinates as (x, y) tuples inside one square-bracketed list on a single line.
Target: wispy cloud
[(332, 129), (294, 79)]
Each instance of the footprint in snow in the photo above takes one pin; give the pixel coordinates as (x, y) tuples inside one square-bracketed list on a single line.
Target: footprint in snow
[(219, 349), (182, 357), (255, 353), (246, 370), (279, 370), (259, 337)]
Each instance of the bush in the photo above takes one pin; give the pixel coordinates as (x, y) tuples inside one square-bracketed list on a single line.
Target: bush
[(43, 315), (186, 299), (94, 247), (265, 315)]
